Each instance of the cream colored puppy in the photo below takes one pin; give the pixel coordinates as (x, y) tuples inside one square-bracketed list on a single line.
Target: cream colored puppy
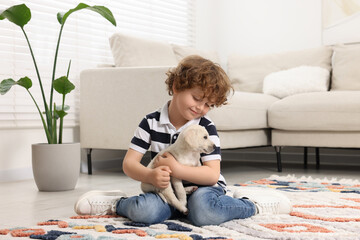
[(192, 141)]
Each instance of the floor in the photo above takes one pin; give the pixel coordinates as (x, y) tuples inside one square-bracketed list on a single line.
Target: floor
[(21, 204)]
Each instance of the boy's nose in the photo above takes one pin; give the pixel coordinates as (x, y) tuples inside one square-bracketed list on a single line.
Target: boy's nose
[(200, 107)]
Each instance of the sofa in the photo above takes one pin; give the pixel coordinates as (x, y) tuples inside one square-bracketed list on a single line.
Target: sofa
[(307, 98)]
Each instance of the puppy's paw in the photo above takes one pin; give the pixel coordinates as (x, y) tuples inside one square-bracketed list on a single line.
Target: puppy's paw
[(190, 189), (185, 211)]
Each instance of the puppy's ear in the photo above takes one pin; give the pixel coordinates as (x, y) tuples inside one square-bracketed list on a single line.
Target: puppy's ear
[(190, 137)]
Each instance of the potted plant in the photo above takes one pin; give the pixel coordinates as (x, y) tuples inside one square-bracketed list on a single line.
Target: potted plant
[(56, 166)]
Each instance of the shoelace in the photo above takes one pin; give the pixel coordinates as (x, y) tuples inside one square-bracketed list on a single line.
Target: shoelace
[(269, 207), (102, 208)]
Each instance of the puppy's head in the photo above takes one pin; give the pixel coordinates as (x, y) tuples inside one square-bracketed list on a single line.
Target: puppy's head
[(198, 139)]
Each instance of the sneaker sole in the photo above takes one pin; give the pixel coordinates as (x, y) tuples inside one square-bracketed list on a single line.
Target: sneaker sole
[(259, 191), (96, 192)]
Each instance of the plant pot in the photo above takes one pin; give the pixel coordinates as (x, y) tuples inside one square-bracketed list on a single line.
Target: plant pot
[(56, 167)]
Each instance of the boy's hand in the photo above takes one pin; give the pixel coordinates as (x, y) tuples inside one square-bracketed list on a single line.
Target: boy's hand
[(166, 160), (160, 177)]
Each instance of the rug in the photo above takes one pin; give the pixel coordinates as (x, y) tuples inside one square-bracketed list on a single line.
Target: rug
[(322, 209)]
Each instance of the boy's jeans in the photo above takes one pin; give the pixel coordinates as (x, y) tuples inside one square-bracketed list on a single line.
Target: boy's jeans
[(207, 206)]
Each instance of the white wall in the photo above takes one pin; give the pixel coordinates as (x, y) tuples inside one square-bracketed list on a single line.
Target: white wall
[(15, 150), (255, 27)]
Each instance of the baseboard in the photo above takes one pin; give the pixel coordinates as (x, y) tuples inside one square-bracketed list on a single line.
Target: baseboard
[(111, 164), (291, 155), (108, 160), (294, 155), (20, 174), (17, 174)]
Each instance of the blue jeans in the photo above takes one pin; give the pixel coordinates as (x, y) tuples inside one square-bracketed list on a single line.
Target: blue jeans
[(207, 206)]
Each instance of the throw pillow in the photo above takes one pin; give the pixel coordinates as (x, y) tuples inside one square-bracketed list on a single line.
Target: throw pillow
[(247, 72), (296, 80), (184, 51), (346, 69), (130, 51)]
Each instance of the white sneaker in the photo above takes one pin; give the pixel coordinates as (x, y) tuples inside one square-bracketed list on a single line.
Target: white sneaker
[(98, 202), (267, 201)]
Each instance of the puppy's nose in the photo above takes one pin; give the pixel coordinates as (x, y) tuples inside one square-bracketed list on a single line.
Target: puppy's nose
[(214, 146)]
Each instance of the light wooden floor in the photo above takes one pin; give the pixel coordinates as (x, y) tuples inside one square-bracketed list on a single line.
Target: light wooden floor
[(21, 204)]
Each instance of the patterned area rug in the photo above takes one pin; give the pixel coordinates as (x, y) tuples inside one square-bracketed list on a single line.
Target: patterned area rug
[(322, 209)]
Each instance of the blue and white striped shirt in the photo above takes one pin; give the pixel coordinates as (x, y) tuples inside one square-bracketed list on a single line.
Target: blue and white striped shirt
[(156, 132)]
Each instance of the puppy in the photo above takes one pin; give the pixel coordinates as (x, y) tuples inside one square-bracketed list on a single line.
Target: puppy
[(192, 141)]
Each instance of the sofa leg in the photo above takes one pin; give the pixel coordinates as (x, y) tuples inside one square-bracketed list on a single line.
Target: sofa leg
[(278, 158), (305, 157), (89, 150), (317, 150)]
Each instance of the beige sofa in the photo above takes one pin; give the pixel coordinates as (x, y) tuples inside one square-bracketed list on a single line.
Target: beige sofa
[(114, 99)]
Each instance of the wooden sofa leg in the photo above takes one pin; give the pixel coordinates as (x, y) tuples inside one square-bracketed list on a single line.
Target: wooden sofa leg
[(305, 157), (317, 150), (89, 150), (278, 158)]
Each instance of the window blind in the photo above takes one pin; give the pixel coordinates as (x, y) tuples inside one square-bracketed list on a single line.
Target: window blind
[(84, 41)]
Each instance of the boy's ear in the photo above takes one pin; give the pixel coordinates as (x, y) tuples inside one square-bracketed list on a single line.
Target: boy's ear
[(174, 88)]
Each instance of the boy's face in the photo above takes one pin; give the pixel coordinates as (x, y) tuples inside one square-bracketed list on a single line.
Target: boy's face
[(191, 104)]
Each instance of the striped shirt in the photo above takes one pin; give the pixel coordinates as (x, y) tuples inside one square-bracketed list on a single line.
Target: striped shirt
[(156, 132)]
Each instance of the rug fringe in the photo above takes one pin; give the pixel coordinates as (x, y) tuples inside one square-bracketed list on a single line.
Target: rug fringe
[(311, 179)]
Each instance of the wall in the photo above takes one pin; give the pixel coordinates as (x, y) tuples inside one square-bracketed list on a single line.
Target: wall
[(15, 153), (15, 150), (255, 27)]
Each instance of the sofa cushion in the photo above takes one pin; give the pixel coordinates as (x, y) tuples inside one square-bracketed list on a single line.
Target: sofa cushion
[(245, 138), (130, 51), (248, 72), (318, 111), (184, 51), (346, 69), (244, 111), (297, 80)]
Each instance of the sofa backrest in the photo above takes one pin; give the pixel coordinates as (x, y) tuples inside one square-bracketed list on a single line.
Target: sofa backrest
[(346, 68), (247, 73), (130, 51), (133, 51), (184, 51)]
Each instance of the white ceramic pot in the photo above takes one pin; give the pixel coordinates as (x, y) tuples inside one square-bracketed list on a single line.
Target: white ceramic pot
[(56, 167)]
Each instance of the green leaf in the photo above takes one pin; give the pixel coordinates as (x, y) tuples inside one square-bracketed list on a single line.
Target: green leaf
[(103, 11), (6, 85), (63, 86), (66, 108), (18, 14), (60, 114), (24, 82)]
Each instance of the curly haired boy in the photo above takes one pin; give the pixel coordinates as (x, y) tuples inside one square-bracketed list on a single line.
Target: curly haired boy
[(196, 86)]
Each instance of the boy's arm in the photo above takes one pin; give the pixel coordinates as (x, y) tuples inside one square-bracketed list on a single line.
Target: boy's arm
[(159, 176), (207, 174)]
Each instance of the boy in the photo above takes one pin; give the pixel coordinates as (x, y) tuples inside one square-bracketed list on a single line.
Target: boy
[(196, 85)]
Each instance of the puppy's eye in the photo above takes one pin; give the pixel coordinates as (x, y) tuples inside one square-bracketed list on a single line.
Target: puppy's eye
[(205, 137)]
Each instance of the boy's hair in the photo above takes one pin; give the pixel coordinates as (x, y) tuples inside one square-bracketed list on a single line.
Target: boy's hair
[(195, 71)]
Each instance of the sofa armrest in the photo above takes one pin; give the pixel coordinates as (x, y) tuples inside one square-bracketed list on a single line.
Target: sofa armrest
[(113, 101)]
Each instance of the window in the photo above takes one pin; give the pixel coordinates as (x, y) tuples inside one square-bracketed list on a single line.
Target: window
[(84, 41)]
